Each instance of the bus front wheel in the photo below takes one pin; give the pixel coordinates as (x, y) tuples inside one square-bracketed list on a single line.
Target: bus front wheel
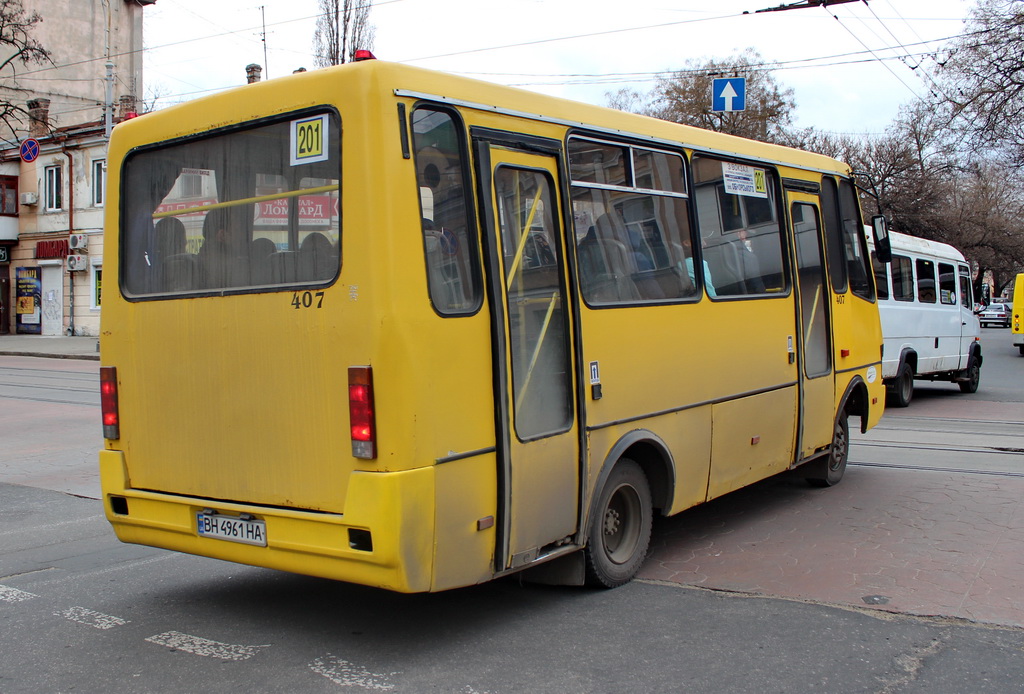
[(973, 378), (620, 527), (829, 471)]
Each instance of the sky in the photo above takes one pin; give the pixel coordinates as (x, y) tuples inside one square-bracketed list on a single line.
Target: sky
[(851, 66)]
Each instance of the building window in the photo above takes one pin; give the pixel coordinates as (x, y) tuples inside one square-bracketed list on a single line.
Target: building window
[(99, 181), (97, 286), (8, 195), (54, 189), (191, 185)]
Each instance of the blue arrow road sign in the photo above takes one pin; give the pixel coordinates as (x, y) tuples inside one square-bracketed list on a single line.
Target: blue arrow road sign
[(729, 94)]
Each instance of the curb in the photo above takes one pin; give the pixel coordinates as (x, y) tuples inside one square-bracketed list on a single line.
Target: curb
[(51, 356)]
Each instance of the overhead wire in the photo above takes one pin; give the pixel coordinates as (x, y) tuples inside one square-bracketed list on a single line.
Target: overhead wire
[(609, 78), (861, 42), (772, 64), (606, 32), (936, 88)]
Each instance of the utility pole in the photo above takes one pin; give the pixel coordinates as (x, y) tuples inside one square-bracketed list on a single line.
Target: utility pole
[(108, 107), (263, 15)]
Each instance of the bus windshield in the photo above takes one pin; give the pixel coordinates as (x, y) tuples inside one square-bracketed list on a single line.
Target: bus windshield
[(234, 211)]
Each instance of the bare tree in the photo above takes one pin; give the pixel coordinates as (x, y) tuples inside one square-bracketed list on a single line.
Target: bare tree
[(685, 97), (984, 78), (17, 47), (928, 186), (342, 28)]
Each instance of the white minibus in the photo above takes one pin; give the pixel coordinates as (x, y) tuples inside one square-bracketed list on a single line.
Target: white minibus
[(929, 328)]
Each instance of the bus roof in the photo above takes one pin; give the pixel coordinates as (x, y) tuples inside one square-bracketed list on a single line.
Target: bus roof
[(918, 246), (264, 98)]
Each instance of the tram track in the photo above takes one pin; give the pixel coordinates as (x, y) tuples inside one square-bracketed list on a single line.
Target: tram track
[(929, 468), (999, 450)]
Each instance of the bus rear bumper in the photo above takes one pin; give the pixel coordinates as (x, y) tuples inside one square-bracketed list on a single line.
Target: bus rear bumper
[(391, 515)]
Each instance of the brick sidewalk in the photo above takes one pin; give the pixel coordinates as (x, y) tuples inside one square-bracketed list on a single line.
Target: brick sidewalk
[(912, 541)]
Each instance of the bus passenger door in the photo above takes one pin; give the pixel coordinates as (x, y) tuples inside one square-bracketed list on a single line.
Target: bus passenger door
[(535, 420), (817, 385)]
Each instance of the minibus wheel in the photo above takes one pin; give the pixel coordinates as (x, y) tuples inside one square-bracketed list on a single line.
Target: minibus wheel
[(620, 527), (973, 377), (829, 471), (903, 387)]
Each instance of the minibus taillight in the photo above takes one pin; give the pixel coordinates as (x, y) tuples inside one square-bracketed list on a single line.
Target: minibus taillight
[(361, 412), (108, 402)]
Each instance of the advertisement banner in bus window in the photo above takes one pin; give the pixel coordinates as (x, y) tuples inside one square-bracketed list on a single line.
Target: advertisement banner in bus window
[(314, 210), (744, 180)]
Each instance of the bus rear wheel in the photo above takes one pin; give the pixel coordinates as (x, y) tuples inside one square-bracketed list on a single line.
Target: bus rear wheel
[(903, 387), (829, 471), (620, 527)]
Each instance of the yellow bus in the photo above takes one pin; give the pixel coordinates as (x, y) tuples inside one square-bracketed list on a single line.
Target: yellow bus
[(409, 330), (1016, 322)]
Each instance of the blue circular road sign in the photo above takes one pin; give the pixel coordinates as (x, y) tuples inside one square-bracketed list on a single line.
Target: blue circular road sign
[(29, 150)]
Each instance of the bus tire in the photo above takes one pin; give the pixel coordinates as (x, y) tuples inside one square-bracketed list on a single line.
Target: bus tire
[(1021, 348), (620, 527), (828, 472), (903, 387), (973, 377)]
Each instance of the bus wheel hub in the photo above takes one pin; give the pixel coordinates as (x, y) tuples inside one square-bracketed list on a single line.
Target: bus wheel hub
[(611, 522)]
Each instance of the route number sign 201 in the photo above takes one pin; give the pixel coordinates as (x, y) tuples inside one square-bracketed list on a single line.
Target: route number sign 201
[(309, 140)]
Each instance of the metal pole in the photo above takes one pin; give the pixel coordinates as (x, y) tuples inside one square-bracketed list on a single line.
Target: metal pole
[(108, 107)]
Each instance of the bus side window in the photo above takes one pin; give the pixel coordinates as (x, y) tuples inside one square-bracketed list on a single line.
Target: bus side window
[(925, 281), (947, 284), (902, 278), (854, 241), (631, 217), (449, 245), (881, 276), (739, 227), (966, 300)]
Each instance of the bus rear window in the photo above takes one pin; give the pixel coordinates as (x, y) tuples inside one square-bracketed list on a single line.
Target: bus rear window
[(242, 210)]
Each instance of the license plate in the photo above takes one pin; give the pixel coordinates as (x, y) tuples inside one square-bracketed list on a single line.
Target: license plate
[(231, 528)]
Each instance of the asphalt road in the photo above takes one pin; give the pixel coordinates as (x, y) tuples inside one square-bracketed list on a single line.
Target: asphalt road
[(82, 612)]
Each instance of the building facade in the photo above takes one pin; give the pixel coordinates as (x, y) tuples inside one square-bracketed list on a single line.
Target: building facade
[(53, 173)]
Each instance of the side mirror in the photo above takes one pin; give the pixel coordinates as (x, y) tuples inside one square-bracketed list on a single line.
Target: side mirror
[(880, 228)]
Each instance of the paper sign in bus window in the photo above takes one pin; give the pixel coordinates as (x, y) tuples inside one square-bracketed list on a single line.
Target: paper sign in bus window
[(744, 180), (309, 141)]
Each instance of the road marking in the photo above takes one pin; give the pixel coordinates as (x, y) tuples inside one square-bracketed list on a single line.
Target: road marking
[(348, 674), (200, 646), (8, 594), (91, 618)]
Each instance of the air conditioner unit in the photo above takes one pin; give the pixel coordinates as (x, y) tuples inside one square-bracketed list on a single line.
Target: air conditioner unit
[(29, 198), (78, 241), (78, 263)]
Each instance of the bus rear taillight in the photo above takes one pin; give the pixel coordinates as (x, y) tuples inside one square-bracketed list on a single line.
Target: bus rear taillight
[(108, 402), (360, 412)]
